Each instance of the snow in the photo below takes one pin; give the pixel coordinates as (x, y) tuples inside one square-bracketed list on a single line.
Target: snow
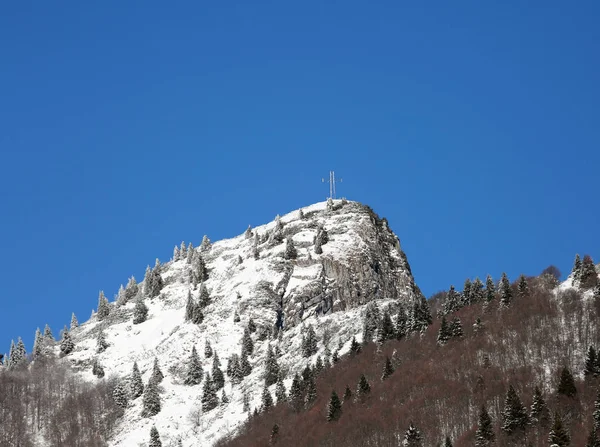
[(168, 337)]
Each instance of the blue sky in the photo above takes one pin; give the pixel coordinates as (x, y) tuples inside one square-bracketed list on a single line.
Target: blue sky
[(126, 127)]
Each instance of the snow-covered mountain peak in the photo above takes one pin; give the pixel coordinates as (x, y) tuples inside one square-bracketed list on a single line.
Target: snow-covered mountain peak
[(317, 266)]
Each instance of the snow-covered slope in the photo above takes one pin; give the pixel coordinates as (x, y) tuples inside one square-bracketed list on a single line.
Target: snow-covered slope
[(360, 262)]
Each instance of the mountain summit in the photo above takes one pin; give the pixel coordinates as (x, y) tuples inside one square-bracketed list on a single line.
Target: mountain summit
[(266, 303)]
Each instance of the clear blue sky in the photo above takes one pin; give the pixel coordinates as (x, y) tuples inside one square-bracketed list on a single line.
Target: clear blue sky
[(126, 127)]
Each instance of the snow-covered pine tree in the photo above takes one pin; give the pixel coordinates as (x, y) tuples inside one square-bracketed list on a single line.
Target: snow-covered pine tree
[(197, 314), (335, 357), (456, 328), (271, 367), (505, 291), (182, 251), (136, 386), (514, 415), (412, 437), (334, 407), (208, 351), (290, 249), (266, 399), (217, 375), (388, 369), (576, 271), (310, 388), (539, 413), (199, 270), (590, 368), (596, 413), (490, 289), (245, 367), (558, 435), (120, 394), (151, 400), (190, 253), (444, 332), (247, 343), (140, 311), (566, 384), (194, 371), (236, 317), (224, 398), (189, 307), (467, 297), (97, 369), (477, 293), (209, 395), (401, 323), (318, 365), (484, 435), (66, 343), (588, 277), (251, 325), (296, 397), (157, 375), (452, 301), (204, 298), (354, 347), (363, 387), (103, 308), (280, 393), (101, 343), (385, 330), (309, 345), (176, 254), (74, 322), (205, 245), (131, 290), (155, 438), (420, 317), (48, 334), (38, 344), (523, 287)]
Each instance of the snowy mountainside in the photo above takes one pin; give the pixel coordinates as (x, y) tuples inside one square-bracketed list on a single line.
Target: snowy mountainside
[(253, 276)]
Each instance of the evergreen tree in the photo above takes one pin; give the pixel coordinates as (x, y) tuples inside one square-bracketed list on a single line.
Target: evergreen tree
[(505, 291), (183, 251), (157, 375), (271, 367), (224, 398), (97, 369), (101, 343), (591, 363), (371, 321), (456, 327), (208, 351), (267, 399), (154, 438), (38, 344), (296, 393), (588, 277), (247, 343), (194, 372), (237, 373), (477, 293), (347, 394), (523, 287), (444, 332), (251, 325), (66, 344), (596, 413), (514, 416), (484, 436), (363, 387), (593, 440), (197, 315), (311, 391), (334, 408), (566, 385), (319, 365), (190, 253), (189, 307), (245, 367), (467, 297), (204, 299), (205, 245), (412, 437), (539, 410), (150, 400), (354, 347), (576, 272), (309, 342), (448, 442), (120, 395), (452, 302), (131, 290), (388, 369), (176, 254), (103, 309), (490, 289), (136, 386), (48, 334), (386, 329), (290, 249), (401, 324), (274, 434), (280, 393), (199, 270), (335, 357), (121, 297), (236, 317), (217, 375), (209, 395), (558, 435), (140, 312), (74, 322), (420, 317)]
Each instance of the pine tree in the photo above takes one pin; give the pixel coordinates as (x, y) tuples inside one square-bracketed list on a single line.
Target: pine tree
[(539, 410), (311, 391), (467, 297), (97, 369), (319, 365), (566, 385), (267, 399), (335, 357), (388, 369), (197, 315), (150, 400), (401, 324), (131, 290), (208, 351), (66, 344), (224, 398), (505, 291), (452, 301), (271, 367), (456, 327), (101, 343), (204, 298), (182, 251), (290, 249), (412, 437), (274, 434), (444, 332), (157, 375), (205, 245), (103, 309), (514, 416), (38, 344), (558, 435), (523, 287), (48, 334), (593, 440), (280, 393), (247, 343), (334, 408), (309, 343), (576, 272), (189, 307), (74, 322), (140, 312), (596, 413), (490, 289), (209, 395), (136, 386), (588, 277), (194, 372), (217, 375), (176, 254), (190, 253), (477, 293), (363, 387), (120, 395), (386, 330), (154, 438), (420, 317), (245, 367), (448, 442), (354, 347), (591, 363), (296, 393), (484, 436)]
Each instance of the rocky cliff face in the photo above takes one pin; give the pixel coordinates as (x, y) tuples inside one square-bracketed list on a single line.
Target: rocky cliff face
[(315, 266)]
